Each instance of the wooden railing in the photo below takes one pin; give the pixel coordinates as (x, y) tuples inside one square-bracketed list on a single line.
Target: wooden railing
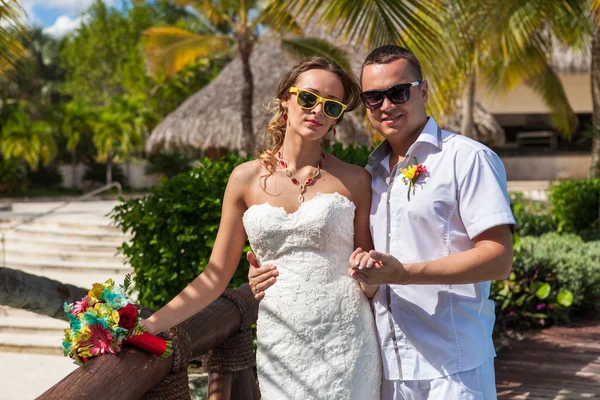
[(131, 373)]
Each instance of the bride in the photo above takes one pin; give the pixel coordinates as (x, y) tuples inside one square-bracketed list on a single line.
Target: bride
[(304, 211)]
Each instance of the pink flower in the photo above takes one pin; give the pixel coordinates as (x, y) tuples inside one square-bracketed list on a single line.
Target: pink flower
[(100, 339), (81, 305)]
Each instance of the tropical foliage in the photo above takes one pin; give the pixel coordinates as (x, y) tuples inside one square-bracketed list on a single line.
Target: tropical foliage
[(232, 28)]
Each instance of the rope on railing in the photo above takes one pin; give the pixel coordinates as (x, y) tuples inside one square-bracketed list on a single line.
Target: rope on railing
[(237, 352), (85, 196), (175, 385)]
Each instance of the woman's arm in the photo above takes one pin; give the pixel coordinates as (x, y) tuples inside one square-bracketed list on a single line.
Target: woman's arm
[(361, 194), (224, 259)]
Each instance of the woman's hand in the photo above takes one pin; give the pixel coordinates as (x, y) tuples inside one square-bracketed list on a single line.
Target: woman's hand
[(260, 278), (149, 326)]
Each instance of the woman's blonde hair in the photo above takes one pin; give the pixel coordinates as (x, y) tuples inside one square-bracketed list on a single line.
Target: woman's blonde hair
[(275, 131)]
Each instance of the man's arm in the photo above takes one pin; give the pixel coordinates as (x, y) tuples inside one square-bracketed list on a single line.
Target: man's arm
[(490, 259)]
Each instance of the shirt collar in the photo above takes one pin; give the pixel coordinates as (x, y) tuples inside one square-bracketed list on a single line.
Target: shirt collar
[(431, 133)]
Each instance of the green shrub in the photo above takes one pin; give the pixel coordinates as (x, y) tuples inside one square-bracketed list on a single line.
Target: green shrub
[(45, 177), (96, 172), (554, 276), (168, 164), (576, 207), (174, 229), (13, 176), (357, 155), (533, 218)]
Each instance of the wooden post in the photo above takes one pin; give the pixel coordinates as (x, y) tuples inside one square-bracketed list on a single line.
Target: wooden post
[(219, 386)]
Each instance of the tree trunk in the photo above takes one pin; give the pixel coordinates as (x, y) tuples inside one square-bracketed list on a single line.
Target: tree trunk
[(41, 295), (595, 81), (74, 168), (245, 50), (109, 170), (466, 124)]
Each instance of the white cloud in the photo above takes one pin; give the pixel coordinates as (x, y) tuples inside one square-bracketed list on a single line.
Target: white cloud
[(63, 25), (70, 7)]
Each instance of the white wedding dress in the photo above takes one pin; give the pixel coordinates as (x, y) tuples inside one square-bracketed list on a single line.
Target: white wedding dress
[(315, 331)]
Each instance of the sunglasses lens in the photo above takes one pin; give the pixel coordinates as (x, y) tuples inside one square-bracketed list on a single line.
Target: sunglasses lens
[(307, 99), (399, 94), (372, 99), (333, 109)]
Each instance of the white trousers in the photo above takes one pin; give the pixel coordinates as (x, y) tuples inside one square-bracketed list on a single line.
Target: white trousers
[(475, 384)]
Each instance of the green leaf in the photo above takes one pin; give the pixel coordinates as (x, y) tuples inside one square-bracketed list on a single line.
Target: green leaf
[(565, 298), (544, 291)]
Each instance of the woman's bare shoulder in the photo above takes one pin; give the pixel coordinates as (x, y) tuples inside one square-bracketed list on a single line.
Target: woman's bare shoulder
[(352, 174), (247, 171)]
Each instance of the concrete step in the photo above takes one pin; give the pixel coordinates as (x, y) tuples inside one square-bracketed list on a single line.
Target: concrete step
[(64, 243), (79, 277), (35, 230), (49, 255), (52, 263), (83, 223)]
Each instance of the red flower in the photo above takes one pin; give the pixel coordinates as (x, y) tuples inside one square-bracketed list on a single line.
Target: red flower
[(421, 169), (128, 316)]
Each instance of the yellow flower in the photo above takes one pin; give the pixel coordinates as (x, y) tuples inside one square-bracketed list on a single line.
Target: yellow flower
[(409, 172), (96, 291)]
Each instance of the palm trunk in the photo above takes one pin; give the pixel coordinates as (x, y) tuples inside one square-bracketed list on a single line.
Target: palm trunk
[(466, 125), (245, 50), (595, 81), (74, 168), (38, 294), (109, 170)]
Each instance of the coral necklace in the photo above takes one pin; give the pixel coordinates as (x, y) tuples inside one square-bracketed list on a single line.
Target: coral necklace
[(295, 181)]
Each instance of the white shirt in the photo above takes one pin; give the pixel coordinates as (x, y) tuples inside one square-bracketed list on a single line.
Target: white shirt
[(430, 331)]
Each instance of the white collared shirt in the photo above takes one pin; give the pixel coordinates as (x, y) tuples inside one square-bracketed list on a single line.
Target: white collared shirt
[(430, 331)]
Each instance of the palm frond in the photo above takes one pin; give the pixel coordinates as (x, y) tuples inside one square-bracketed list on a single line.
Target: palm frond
[(372, 23), (277, 17), (549, 87), (306, 47), (11, 15), (171, 49)]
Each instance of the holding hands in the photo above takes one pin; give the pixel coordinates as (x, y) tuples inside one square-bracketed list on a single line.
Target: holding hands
[(368, 268)]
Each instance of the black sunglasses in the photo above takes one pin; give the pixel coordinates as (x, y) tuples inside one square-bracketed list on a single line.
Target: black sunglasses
[(373, 99)]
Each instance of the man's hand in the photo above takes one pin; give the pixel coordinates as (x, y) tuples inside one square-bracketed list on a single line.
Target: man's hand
[(388, 270), (260, 278), (360, 259)]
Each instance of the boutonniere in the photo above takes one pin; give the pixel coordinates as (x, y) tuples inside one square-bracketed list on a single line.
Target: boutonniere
[(412, 173)]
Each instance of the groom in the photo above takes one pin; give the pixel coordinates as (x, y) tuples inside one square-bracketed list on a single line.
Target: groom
[(441, 225)]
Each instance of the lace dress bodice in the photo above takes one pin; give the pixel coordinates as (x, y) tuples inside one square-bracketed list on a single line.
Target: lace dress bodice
[(316, 335)]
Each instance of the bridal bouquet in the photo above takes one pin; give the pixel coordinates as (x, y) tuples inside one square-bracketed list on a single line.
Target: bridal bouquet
[(104, 320)]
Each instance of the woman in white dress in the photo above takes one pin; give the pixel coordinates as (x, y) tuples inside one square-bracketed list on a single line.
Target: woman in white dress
[(304, 211)]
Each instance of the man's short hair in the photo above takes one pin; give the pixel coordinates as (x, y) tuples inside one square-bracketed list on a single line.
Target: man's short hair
[(390, 53)]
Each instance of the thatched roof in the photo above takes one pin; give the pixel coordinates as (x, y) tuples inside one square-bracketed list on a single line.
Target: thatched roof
[(486, 129), (570, 61), (212, 116)]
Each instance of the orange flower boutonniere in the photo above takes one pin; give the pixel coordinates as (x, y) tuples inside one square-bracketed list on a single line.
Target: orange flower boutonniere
[(411, 174)]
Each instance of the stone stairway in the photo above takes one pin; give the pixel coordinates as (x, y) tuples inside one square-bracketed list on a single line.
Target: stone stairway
[(74, 245)]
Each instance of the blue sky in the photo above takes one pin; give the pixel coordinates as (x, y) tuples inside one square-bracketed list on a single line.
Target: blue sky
[(58, 16)]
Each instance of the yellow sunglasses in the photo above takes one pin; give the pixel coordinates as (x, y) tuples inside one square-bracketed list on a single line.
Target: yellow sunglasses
[(308, 100)]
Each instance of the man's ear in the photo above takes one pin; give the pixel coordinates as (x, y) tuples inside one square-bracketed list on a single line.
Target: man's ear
[(424, 86)]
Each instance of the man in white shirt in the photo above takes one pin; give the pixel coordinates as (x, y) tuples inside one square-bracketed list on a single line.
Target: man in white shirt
[(440, 236)]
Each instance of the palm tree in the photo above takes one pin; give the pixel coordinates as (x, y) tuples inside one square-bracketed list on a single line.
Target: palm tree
[(595, 83), (115, 136), (232, 26), (11, 13), (30, 141), (78, 121), (508, 43)]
